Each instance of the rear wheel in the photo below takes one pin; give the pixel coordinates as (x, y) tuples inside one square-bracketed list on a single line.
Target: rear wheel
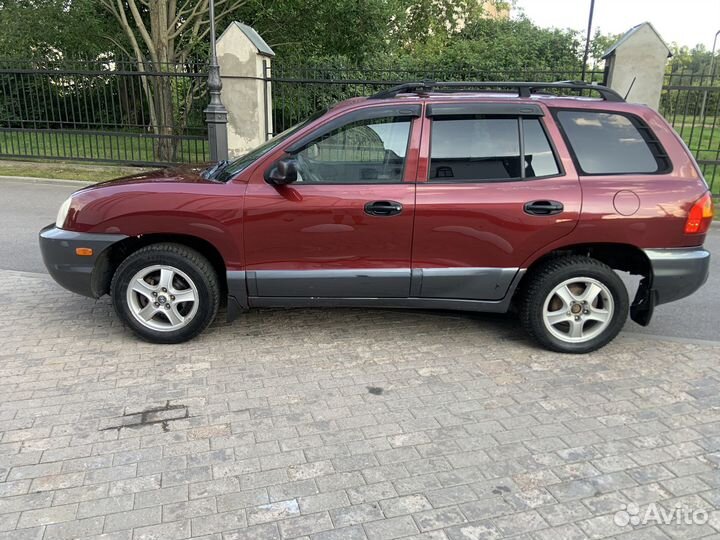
[(166, 293), (574, 304)]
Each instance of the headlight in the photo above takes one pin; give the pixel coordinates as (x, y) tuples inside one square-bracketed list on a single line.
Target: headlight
[(62, 213)]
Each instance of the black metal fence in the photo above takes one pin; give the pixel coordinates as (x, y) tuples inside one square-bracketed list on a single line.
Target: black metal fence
[(112, 111), (691, 103), (298, 91), (103, 111)]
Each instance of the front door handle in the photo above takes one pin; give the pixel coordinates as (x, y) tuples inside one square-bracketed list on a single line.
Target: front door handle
[(383, 208), (543, 208)]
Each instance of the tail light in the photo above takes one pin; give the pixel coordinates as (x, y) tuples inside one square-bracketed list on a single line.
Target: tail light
[(700, 216)]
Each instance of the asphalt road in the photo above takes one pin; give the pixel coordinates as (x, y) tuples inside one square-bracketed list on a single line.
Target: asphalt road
[(29, 206)]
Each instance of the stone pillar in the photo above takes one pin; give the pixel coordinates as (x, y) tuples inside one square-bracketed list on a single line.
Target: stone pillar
[(635, 65), (244, 60)]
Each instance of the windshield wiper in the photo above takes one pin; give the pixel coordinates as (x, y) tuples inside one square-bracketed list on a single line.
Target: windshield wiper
[(219, 166)]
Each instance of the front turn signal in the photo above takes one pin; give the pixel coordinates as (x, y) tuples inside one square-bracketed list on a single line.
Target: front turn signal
[(700, 215), (84, 252)]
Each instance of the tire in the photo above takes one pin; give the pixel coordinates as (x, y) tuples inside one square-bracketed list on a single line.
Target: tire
[(142, 293), (574, 304)]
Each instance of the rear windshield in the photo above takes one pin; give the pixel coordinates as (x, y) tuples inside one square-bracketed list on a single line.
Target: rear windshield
[(608, 143)]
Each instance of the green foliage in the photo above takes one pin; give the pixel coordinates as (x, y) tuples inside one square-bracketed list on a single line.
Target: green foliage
[(416, 22), (298, 29), (47, 28), (503, 45), (407, 32), (353, 29), (600, 44), (691, 60)]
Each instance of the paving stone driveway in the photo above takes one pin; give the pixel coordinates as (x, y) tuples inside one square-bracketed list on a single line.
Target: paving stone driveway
[(345, 424)]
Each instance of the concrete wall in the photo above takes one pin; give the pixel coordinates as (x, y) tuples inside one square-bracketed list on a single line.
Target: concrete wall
[(244, 90), (639, 56)]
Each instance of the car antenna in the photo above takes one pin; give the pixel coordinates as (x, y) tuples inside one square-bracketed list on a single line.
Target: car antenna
[(631, 85)]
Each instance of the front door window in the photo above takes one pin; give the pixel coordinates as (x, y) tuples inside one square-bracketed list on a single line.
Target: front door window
[(365, 152)]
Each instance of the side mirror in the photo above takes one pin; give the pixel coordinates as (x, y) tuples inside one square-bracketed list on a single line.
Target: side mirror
[(282, 172)]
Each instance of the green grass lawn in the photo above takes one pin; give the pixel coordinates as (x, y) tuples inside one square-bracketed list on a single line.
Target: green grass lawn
[(64, 170), (100, 147)]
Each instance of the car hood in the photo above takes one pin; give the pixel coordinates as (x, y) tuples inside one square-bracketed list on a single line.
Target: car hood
[(184, 174)]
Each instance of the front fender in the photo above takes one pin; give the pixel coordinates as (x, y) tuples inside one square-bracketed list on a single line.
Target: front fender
[(212, 213)]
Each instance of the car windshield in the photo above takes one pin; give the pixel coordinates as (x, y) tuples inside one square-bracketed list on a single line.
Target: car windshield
[(228, 171)]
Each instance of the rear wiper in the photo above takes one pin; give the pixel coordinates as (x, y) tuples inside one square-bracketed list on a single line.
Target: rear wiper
[(219, 166)]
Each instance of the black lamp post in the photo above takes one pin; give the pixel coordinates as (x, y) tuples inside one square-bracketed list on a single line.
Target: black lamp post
[(215, 113), (587, 39)]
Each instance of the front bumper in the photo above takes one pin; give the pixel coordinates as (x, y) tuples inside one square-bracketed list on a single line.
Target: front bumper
[(677, 273), (80, 274)]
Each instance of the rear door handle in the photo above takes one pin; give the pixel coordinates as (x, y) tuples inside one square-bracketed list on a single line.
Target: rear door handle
[(383, 208), (543, 208)]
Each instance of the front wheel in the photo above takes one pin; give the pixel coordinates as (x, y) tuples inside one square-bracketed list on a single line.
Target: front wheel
[(166, 293), (574, 304)]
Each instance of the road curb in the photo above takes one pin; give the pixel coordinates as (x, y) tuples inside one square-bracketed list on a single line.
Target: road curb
[(36, 180)]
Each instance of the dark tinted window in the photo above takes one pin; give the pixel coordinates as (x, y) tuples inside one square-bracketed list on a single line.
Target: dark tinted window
[(475, 149), (539, 157), (606, 143), (464, 149)]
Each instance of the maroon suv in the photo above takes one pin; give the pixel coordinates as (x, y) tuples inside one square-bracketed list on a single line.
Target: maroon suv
[(469, 196)]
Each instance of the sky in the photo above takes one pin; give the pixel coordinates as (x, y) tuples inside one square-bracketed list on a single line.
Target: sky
[(686, 22)]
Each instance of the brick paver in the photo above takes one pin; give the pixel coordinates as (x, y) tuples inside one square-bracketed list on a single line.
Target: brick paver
[(343, 424)]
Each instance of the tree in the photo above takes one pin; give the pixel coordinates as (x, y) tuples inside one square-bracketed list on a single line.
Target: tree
[(690, 61), (495, 48), (161, 34), (53, 28), (600, 44), (356, 30), (418, 21), (302, 29)]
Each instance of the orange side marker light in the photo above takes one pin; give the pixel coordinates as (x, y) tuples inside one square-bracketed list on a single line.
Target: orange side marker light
[(83, 252)]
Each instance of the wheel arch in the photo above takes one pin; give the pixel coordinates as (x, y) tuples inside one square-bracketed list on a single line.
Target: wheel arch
[(111, 258), (618, 256)]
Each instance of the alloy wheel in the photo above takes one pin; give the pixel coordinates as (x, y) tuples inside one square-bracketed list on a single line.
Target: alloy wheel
[(578, 310), (162, 298)]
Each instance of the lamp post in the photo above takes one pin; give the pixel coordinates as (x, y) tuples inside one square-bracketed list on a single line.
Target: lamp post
[(712, 76), (587, 39), (215, 113)]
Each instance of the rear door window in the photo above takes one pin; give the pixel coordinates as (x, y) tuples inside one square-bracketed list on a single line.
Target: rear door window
[(609, 143), (476, 149)]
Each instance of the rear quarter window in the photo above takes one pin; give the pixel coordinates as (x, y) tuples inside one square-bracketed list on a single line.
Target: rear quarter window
[(611, 143)]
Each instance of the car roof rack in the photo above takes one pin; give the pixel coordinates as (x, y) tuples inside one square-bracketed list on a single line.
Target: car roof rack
[(524, 89)]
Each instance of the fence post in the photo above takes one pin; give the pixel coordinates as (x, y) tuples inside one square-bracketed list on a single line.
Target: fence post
[(635, 65), (244, 59)]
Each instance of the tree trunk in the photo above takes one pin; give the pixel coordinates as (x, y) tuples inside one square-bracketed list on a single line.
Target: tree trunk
[(154, 48), (166, 143)]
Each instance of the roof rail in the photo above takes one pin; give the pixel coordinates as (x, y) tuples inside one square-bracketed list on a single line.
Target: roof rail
[(524, 89)]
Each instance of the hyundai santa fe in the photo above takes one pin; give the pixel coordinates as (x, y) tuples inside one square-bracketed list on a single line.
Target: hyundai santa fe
[(484, 197)]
